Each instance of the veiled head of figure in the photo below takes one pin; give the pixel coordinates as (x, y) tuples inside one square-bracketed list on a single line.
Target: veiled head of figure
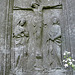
[(55, 20)]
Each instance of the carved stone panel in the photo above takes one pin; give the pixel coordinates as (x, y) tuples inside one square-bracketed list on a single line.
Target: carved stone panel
[(34, 51), (34, 34)]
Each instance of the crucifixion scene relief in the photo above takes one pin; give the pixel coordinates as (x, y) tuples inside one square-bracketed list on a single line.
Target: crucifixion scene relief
[(35, 35)]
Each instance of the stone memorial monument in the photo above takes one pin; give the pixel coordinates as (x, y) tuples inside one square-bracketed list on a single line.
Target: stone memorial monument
[(33, 36)]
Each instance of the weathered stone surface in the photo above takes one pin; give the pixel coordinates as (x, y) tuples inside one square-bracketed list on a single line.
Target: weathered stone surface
[(55, 43), (27, 3), (2, 35), (68, 28), (47, 47), (33, 36), (38, 18)]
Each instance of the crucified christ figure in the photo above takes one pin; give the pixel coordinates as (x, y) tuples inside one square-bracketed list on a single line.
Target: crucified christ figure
[(38, 27)]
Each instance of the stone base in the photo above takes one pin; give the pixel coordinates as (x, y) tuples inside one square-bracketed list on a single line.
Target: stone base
[(41, 72)]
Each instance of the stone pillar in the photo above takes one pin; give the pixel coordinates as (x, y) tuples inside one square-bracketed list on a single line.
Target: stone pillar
[(5, 8), (8, 36), (68, 27)]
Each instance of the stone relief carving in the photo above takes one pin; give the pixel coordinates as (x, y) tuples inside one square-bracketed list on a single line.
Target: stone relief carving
[(55, 43), (21, 36), (37, 9), (20, 32)]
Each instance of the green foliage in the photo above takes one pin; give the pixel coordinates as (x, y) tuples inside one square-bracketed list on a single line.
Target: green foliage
[(68, 61)]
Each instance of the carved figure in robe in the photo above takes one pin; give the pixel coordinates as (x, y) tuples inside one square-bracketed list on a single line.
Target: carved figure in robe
[(55, 43), (21, 36)]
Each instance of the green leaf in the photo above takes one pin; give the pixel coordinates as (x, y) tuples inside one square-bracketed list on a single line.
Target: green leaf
[(68, 63), (70, 57), (73, 66), (64, 56)]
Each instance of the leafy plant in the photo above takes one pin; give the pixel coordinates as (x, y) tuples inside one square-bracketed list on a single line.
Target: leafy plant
[(68, 61)]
